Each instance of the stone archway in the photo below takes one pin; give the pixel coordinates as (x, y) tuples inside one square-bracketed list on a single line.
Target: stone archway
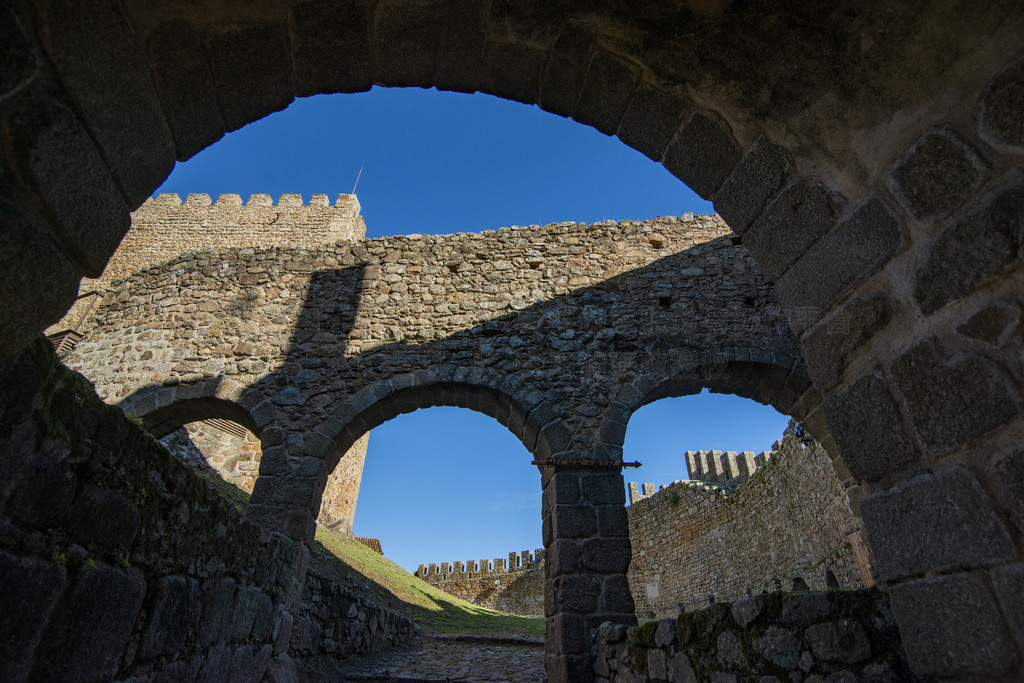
[(859, 149)]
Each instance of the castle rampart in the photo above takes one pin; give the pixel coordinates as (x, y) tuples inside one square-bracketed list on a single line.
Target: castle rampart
[(514, 584), (788, 527), (165, 226)]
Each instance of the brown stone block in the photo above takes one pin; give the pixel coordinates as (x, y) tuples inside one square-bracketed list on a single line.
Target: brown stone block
[(606, 91), (462, 45), (951, 627), (830, 346), (185, 86), (406, 42), (841, 259), (953, 402), (566, 69), (753, 182), (937, 174), (1000, 121), (651, 119), (938, 522), (513, 70), (56, 158), (702, 154), (973, 249), (801, 214), (94, 49), (251, 65), (26, 610), (331, 46), (90, 629), (864, 420)]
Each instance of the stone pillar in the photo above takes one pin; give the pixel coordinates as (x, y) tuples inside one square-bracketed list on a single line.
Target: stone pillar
[(586, 537)]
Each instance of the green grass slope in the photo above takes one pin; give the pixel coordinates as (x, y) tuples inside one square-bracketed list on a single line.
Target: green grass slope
[(352, 564)]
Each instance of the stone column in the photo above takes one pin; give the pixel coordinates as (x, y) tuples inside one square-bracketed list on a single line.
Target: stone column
[(586, 537)]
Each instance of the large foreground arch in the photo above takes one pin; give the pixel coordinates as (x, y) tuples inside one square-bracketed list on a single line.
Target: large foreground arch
[(868, 153)]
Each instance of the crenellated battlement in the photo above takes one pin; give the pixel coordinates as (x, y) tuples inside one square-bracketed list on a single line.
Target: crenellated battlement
[(166, 226), (722, 471), (525, 560)]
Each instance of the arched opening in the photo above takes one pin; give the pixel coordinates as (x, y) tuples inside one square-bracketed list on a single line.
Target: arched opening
[(734, 497), (189, 76)]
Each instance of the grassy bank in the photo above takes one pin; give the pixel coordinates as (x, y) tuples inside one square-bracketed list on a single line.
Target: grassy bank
[(353, 564)]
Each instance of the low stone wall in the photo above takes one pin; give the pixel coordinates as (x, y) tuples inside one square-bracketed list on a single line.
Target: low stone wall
[(516, 587), (334, 620), (119, 561), (832, 635), (788, 527)]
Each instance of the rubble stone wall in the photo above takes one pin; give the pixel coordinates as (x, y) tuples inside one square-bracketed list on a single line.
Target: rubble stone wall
[(695, 542), (833, 635), (165, 227), (516, 587)]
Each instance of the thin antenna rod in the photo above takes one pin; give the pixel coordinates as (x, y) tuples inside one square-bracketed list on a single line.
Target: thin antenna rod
[(357, 178)]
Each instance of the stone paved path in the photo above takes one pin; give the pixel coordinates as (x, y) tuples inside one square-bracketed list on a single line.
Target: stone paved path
[(438, 659)]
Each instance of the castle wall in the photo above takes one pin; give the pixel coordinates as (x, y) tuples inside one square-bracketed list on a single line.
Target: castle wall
[(165, 227), (515, 585), (695, 542), (236, 459)]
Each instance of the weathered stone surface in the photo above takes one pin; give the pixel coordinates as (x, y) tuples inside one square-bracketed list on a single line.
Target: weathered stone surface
[(862, 419), (1010, 472), (218, 607), (463, 44), (16, 59), (185, 87), (730, 651), (58, 159), (779, 646), (746, 610), (513, 71), (830, 346), (971, 250), (993, 324), (102, 517), (841, 259), (93, 47), (841, 642), (680, 669), (566, 70), (702, 154), (937, 174), (251, 69), (606, 91), (752, 183), (89, 630), (247, 601), (650, 120), (951, 627), (574, 521), (33, 588), (608, 556), (28, 294), (331, 46), (692, 542), (1000, 107), (952, 401), (170, 617), (406, 42), (801, 607), (1009, 583), (935, 522), (790, 224), (656, 664)]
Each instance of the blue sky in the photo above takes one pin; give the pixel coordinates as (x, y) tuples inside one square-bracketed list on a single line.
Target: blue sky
[(447, 484)]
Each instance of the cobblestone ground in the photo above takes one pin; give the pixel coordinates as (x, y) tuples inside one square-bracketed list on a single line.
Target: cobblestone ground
[(438, 659)]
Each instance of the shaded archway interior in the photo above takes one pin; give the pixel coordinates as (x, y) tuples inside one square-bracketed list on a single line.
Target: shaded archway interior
[(163, 421)]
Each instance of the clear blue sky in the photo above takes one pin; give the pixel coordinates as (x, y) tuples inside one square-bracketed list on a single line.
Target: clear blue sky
[(448, 484)]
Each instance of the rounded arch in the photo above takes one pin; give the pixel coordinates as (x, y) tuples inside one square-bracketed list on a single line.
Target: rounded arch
[(164, 409), (770, 378), (529, 419)]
